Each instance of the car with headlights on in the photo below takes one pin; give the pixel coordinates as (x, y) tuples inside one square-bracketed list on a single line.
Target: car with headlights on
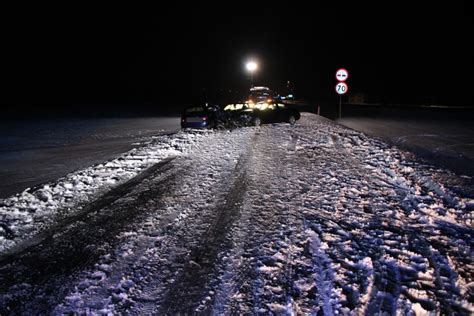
[(262, 94), (255, 114)]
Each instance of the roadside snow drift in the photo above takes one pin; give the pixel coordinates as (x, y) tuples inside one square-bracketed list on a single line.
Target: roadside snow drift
[(27, 213), (305, 219)]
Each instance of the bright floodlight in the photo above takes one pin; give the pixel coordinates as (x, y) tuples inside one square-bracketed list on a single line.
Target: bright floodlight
[(251, 66)]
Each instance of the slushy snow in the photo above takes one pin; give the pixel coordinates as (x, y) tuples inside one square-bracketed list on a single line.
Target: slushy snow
[(305, 219)]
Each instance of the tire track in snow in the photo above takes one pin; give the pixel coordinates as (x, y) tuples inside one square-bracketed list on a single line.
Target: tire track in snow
[(323, 274), (191, 208), (239, 284), (192, 283), (388, 276), (74, 245), (102, 202), (273, 288)]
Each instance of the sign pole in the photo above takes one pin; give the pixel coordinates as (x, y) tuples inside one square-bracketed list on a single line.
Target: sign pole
[(340, 112), (341, 88)]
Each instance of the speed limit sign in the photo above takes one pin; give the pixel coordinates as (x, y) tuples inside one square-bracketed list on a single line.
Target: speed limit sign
[(342, 88)]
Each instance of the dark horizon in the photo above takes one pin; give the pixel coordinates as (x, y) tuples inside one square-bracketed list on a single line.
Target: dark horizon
[(417, 54)]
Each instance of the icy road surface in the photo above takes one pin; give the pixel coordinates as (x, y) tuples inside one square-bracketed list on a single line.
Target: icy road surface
[(33, 152), (311, 218), (445, 142)]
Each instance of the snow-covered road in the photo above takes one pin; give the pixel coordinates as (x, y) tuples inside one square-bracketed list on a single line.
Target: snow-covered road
[(285, 219)]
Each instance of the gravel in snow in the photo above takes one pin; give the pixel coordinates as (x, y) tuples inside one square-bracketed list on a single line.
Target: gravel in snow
[(311, 218)]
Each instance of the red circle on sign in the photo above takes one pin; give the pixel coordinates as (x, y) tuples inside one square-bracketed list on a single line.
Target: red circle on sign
[(342, 88), (347, 74)]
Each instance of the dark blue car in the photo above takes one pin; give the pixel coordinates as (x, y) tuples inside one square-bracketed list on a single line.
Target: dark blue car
[(198, 117)]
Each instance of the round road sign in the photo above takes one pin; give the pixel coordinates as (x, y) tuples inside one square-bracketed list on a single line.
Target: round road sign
[(342, 74), (341, 88)]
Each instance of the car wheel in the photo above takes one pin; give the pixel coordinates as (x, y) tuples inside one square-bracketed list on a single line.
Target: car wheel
[(257, 121), (292, 120), (245, 120)]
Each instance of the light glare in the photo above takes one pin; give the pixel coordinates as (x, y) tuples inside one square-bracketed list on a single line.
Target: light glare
[(251, 66)]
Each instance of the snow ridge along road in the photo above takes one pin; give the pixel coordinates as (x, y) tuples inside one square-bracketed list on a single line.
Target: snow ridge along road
[(34, 210), (311, 218)]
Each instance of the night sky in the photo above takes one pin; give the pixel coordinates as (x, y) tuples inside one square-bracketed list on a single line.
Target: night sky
[(170, 56)]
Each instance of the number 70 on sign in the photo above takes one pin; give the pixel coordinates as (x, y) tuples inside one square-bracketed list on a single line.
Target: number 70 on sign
[(341, 88)]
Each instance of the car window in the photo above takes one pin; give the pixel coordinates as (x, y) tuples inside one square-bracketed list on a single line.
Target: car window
[(261, 106), (250, 105), (194, 110)]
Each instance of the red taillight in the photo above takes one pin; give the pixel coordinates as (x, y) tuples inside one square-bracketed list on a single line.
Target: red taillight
[(204, 118)]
